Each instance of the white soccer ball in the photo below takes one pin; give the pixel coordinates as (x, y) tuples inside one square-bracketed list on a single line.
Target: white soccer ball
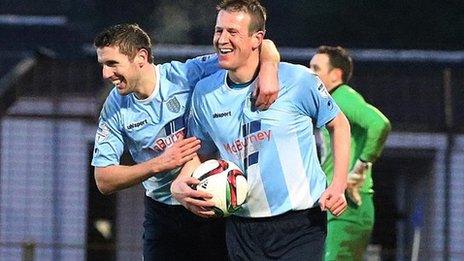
[(226, 182)]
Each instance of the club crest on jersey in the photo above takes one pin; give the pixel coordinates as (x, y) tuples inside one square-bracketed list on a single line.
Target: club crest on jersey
[(173, 105)]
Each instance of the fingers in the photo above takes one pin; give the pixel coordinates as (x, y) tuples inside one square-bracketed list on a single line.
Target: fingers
[(322, 202), (202, 212), (264, 99), (339, 208), (185, 150), (337, 205), (263, 102), (188, 142), (190, 152), (200, 207), (200, 195), (189, 146)]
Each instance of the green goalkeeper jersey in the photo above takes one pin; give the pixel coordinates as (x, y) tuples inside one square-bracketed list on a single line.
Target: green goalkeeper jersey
[(369, 130)]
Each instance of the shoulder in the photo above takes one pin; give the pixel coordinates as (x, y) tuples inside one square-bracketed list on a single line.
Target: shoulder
[(296, 73), (299, 78), (199, 61), (210, 83), (346, 92), (114, 102)]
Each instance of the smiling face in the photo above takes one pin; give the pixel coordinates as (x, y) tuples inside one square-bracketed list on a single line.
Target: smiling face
[(235, 45), (119, 69)]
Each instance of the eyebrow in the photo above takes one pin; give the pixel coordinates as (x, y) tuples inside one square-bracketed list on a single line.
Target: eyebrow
[(108, 62)]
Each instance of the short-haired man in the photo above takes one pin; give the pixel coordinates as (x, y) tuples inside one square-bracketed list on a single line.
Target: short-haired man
[(283, 217), (145, 114), (369, 130)]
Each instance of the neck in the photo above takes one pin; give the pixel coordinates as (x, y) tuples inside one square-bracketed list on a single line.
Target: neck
[(147, 80), (246, 72), (334, 86)]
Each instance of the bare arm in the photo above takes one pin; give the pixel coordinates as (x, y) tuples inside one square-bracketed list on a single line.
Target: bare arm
[(117, 177), (268, 81), (333, 198)]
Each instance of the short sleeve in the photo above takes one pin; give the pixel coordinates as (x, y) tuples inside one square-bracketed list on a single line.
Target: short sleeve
[(195, 69), (109, 144), (315, 100)]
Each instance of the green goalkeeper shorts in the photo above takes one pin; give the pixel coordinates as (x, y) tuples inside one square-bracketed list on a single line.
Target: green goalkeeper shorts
[(349, 234)]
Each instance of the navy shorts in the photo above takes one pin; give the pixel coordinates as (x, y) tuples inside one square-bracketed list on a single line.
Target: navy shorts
[(295, 235), (174, 233)]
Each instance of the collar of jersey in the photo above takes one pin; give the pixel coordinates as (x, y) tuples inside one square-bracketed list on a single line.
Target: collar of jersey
[(155, 90), (239, 90)]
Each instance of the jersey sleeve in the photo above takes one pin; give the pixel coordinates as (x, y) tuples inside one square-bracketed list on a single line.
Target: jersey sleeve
[(195, 129), (195, 69), (314, 99), (109, 144), (369, 118)]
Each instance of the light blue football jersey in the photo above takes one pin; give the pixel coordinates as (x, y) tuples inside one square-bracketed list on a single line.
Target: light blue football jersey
[(147, 127), (275, 148)]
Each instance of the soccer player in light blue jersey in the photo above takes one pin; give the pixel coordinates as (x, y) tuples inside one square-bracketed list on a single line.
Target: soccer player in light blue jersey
[(144, 113), (283, 217)]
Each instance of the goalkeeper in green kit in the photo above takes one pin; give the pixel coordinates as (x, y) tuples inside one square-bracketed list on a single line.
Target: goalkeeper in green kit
[(349, 234)]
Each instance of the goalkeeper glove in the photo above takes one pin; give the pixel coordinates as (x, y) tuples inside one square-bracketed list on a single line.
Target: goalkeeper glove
[(356, 179)]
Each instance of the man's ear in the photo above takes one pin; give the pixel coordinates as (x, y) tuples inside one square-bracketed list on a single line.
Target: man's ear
[(141, 57), (258, 39), (336, 74)]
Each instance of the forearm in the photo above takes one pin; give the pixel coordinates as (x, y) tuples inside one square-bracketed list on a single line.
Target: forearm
[(269, 53), (339, 130), (117, 177), (268, 80), (377, 134), (189, 167)]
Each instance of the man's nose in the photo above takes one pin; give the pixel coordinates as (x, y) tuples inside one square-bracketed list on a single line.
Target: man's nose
[(107, 72), (224, 37)]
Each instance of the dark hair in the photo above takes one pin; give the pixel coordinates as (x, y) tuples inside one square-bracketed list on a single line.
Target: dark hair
[(130, 39), (338, 58), (252, 7)]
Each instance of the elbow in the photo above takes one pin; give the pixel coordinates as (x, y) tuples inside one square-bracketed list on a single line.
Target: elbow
[(385, 128), (388, 126), (103, 185), (104, 189)]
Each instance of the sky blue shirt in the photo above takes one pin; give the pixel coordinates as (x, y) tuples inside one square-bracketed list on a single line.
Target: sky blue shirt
[(147, 127), (275, 148)]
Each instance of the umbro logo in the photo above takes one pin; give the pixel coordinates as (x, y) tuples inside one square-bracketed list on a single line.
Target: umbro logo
[(222, 114)]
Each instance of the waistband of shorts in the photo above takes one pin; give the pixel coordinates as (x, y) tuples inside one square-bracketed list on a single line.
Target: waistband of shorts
[(159, 204), (284, 216)]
